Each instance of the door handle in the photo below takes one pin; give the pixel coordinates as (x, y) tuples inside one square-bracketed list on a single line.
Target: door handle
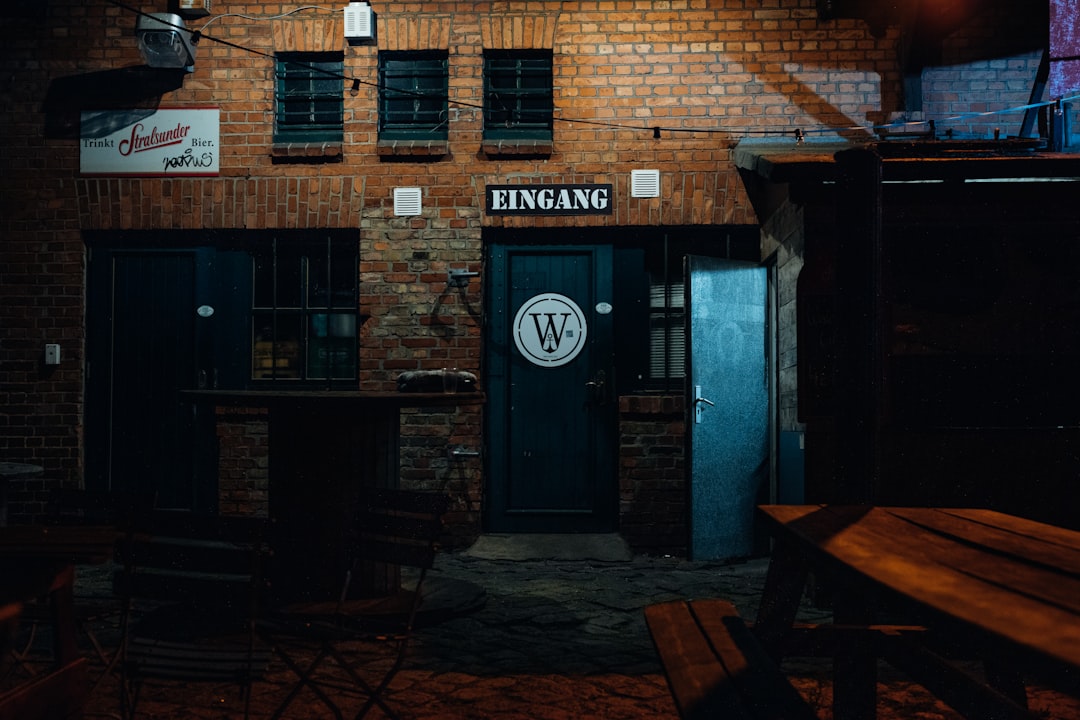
[(699, 404), (596, 389)]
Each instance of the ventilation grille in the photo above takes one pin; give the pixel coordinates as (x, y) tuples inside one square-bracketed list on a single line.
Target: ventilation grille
[(644, 183), (407, 201), (358, 23)]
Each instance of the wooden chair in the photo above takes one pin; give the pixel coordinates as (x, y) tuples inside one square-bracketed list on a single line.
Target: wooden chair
[(192, 588), (78, 507), (392, 528)]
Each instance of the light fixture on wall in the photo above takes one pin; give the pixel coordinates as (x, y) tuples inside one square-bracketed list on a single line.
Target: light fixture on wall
[(165, 42), (644, 183), (359, 23)]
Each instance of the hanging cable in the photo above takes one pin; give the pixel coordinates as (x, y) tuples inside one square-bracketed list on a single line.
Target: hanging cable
[(355, 83)]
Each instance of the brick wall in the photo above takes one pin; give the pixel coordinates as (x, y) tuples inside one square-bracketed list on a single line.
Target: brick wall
[(706, 73), (652, 481), (243, 467)]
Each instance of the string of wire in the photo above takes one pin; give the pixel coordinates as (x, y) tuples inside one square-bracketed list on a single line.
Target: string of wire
[(656, 130)]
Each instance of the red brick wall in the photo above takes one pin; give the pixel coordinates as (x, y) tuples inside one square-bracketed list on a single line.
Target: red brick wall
[(652, 481), (707, 73), (243, 466)]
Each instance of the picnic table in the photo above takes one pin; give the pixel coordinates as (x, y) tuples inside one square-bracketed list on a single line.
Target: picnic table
[(917, 585)]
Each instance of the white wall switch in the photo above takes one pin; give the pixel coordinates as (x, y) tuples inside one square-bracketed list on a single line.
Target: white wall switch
[(52, 354)]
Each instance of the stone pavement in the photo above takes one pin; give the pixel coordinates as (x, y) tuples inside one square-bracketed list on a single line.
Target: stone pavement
[(536, 638)]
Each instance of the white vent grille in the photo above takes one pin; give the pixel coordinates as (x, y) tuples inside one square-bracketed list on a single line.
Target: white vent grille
[(358, 23), (407, 201), (644, 183)]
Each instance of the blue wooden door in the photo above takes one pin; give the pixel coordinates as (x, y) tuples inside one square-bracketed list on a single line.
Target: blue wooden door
[(549, 376)]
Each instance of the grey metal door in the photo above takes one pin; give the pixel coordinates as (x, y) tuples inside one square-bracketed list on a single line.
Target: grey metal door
[(728, 395)]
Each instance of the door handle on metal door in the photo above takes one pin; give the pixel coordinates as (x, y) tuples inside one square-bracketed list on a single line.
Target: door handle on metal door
[(699, 404), (596, 388)]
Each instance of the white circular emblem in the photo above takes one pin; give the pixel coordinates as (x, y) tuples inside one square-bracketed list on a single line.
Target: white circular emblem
[(550, 330)]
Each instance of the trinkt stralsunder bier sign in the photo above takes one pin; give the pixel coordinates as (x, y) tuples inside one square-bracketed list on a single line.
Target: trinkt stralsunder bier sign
[(180, 142)]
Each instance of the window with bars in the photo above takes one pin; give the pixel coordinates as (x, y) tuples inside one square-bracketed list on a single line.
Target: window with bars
[(413, 95), (518, 94), (309, 105), (305, 310)]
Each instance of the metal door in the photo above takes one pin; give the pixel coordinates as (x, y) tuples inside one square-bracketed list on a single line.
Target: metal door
[(151, 318), (551, 401), (727, 378)]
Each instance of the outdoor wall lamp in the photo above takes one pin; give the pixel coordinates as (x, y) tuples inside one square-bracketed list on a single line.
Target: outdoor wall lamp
[(165, 42)]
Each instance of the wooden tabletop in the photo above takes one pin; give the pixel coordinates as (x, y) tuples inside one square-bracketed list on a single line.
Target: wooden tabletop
[(334, 398), (78, 544), (1005, 578)]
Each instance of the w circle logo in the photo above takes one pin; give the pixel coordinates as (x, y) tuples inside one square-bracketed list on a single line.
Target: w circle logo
[(550, 330)]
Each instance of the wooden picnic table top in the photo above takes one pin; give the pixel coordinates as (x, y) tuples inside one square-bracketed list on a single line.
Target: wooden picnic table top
[(1005, 578)]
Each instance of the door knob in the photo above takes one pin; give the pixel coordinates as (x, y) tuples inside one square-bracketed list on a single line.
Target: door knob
[(699, 404)]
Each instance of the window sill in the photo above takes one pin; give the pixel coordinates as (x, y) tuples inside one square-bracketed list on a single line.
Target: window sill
[(530, 147), (307, 150), (413, 148)]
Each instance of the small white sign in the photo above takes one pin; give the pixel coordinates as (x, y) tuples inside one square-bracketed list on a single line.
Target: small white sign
[(550, 330), (180, 142)]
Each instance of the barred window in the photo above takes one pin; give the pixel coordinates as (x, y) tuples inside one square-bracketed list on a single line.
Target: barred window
[(518, 94), (413, 95), (305, 309), (309, 97)]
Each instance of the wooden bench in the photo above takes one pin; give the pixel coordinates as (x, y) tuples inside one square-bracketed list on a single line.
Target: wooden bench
[(716, 668)]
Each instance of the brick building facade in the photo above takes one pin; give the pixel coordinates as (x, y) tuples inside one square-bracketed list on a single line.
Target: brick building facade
[(666, 86)]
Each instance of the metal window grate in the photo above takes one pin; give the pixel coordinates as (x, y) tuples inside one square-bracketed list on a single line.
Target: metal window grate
[(518, 94), (309, 105), (413, 95), (304, 309)]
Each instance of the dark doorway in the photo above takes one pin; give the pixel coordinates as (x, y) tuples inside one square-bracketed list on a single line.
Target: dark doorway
[(551, 396)]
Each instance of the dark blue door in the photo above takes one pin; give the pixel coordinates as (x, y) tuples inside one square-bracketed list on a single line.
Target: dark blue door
[(158, 323), (550, 383)]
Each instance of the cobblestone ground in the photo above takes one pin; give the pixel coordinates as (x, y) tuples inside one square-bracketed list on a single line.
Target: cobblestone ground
[(551, 640)]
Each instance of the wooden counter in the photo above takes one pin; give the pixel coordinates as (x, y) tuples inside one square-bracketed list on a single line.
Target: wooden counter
[(325, 447)]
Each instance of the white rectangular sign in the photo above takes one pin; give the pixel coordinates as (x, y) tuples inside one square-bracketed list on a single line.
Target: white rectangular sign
[(172, 142)]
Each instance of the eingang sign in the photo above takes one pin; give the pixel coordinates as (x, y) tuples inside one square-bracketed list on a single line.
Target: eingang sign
[(175, 142), (590, 199)]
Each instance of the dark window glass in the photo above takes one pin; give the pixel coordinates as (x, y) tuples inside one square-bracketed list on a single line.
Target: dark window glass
[(518, 94), (413, 92), (304, 310), (309, 106)]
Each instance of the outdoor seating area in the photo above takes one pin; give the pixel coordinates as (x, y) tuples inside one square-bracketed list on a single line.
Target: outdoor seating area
[(554, 638)]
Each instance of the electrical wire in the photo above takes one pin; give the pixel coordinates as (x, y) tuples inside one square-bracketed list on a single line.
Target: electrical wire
[(656, 130), (265, 17)]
